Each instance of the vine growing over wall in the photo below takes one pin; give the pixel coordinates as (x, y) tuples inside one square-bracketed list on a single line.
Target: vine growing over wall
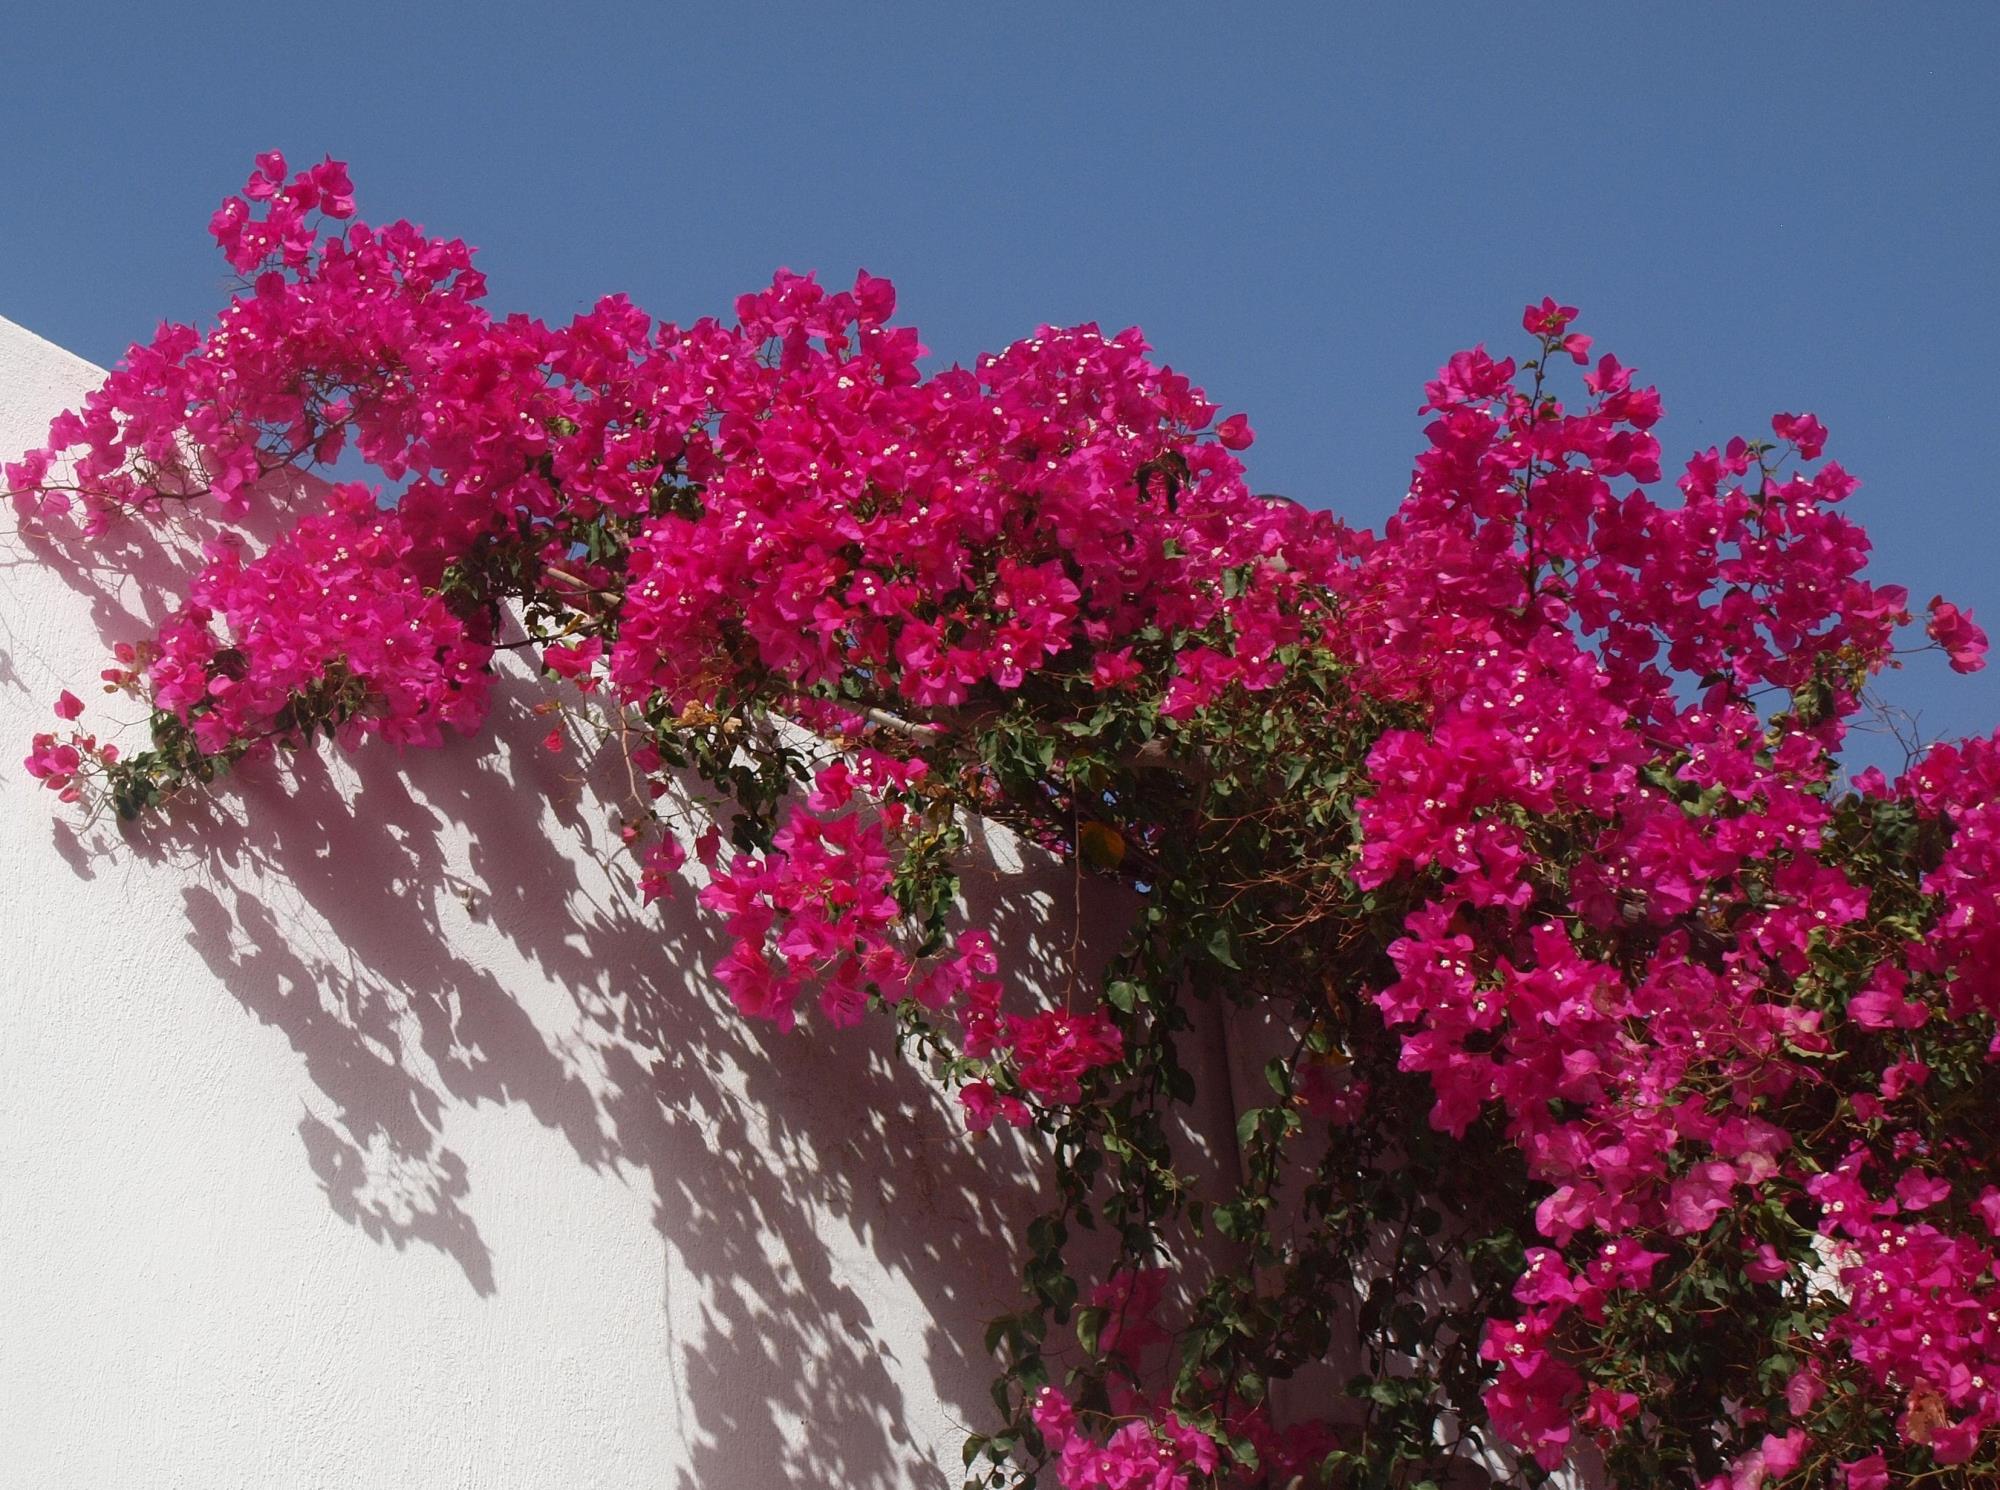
[(1633, 1072)]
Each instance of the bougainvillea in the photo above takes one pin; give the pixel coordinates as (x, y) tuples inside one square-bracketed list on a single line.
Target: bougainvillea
[(1631, 1069)]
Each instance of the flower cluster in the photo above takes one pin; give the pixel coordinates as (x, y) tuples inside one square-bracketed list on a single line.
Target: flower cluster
[(1524, 817)]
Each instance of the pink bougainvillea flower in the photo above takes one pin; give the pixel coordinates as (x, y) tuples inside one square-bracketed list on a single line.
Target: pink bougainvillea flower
[(1803, 430), (1116, 669), (1871, 1472), (1701, 1195), (1548, 318), (1235, 433), (983, 1104), (1953, 629)]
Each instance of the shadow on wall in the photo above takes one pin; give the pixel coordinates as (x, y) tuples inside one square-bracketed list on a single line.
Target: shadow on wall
[(755, 1143)]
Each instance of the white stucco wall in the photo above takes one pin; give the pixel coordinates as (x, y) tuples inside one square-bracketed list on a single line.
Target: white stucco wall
[(365, 1132)]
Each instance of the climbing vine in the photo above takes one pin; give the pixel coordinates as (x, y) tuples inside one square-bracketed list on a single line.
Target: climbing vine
[(1629, 1071)]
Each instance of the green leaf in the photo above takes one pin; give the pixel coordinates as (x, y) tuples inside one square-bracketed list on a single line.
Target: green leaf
[(1222, 947), (1090, 1327)]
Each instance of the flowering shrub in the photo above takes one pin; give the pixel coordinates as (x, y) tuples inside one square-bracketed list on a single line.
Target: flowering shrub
[(1634, 1092)]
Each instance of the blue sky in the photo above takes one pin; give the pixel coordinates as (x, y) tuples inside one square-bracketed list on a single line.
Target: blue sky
[(1306, 207)]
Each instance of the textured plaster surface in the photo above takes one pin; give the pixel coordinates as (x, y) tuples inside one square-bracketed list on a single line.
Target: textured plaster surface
[(359, 1129)]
